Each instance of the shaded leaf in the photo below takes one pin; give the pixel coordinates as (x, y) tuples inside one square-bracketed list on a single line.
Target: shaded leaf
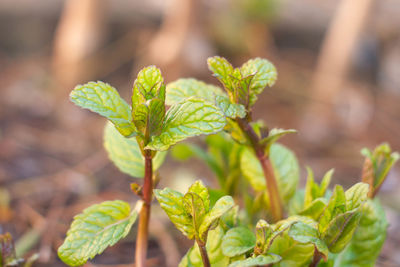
[(125, 153), (260, 260), (304, 233), (238, 241)]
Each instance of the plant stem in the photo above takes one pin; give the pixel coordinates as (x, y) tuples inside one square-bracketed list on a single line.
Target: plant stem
[(316, 259), (204, 256), (143, 229), (272, 186)]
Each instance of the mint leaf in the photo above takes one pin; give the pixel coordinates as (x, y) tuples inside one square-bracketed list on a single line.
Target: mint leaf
[(340, 230), (377, 166), (98, 227), (194, 206), (223, 205), (336, 206), (125, 153), (104, 99), (263, 232), (274, 136), (260, 260), (191, 118), (202, 191), (171, 202), (222, 70), (238, 241), (181, 89), (264, 72), (356, 195), (367, 241), (148, 85), (149, 116), (304, 233), (230, 110), (313, 190), (315, 208)]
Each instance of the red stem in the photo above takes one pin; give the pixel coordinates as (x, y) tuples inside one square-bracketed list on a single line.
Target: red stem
[(204, 256), (272, 186), (143, 229)]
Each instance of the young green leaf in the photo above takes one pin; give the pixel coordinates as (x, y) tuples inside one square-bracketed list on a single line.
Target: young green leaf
[(340, 230), (274, 135), (238, 241), (171, 202), (293, 253), (367, 241), (263, 231), (148, 85), (179, 90), (125, 153), (230, 110), (191, 118), (104, 99), (336, 206), (149, 116), (199, 189), (313, 190), (356, 195), (223, 205), (260, 260), (194, 206), (314, 209), (305, 233), (286, 170), (265, 75), (377, 166), (98, 227), (222, 70)]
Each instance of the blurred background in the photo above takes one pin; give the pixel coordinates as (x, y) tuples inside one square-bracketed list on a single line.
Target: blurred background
[(339, 85)]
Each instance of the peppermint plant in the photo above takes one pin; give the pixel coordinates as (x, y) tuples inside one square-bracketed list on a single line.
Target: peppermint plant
[(135, 139), (258, 216), (314, 226)]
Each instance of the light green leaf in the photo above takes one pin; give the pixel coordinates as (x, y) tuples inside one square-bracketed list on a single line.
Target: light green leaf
[(194, 206), (202, 191), (315, 209), (179, 90), (223, 205), (377, 166), (274, 136), (98, 227), (265, 75), (260, 260), (367, 241), (191, 118), (230, 110), (125, 153), (356, 195), (149, 116), (304, 233), (293, 253), (221, 69), (340, 230), (336, 206), (148, 85), (171, 202), (263, 231), (104, 99), (238, 241), (284, 163)]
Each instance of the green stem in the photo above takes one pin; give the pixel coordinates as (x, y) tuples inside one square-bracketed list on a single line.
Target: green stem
[(272, 185), (204, 255), (143, 229)]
